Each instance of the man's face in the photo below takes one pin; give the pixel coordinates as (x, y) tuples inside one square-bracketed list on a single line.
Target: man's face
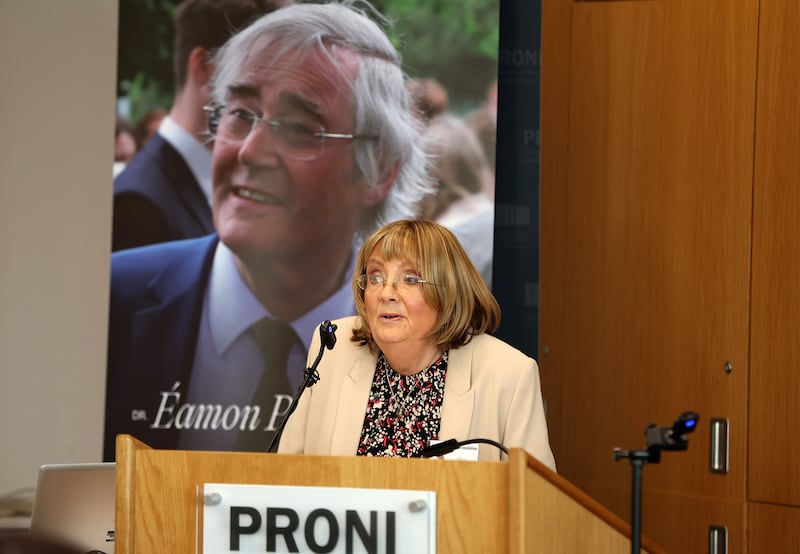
[(267, 202)]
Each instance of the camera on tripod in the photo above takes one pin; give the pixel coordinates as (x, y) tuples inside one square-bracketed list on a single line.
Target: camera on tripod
[(670, 438)]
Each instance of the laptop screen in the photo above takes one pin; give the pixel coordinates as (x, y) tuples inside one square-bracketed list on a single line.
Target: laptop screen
[(75, 504)]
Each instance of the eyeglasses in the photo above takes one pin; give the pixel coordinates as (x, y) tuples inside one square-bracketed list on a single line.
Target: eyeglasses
[(376, 280), (294, 138)]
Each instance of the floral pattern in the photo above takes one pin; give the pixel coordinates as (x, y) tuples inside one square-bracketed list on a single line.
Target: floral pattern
[(403, 411)]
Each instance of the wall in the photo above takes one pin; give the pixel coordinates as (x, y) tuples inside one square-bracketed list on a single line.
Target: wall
[(58, 62)]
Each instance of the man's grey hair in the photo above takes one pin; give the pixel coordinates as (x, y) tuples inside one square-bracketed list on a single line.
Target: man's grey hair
[(382, 105)]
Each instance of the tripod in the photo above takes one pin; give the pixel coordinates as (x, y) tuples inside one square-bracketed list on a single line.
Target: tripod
[(658, 439)]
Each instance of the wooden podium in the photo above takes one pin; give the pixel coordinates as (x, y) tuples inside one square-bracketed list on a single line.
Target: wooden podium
[(515, 506)]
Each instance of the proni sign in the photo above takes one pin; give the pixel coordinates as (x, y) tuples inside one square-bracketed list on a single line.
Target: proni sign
[(266, 518)]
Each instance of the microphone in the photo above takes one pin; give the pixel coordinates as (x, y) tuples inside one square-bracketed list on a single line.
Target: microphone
[(445, 447), (327, 335)]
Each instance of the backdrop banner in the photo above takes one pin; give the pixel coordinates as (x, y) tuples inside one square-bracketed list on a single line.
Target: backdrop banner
[(191, 330)]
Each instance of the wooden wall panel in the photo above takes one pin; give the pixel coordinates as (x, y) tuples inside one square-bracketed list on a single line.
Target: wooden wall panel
[(645, 256), (775, 375), (683, 521), (773, 529)]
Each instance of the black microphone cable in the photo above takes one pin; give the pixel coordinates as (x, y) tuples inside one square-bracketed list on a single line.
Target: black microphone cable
[(445, 447)]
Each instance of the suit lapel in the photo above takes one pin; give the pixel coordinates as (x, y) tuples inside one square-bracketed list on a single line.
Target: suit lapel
[(459, 396), (188, 190), (169, 328)]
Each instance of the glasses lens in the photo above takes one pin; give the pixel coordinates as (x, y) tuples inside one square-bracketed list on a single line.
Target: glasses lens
[(361, 281), (236, 124), (410, 281), (300, 138), (213, 116)]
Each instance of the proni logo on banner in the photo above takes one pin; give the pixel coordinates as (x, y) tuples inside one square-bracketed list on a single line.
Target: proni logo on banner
[(273, 518)]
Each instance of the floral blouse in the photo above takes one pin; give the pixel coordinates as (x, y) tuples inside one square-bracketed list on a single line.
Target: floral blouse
[(403, 411)]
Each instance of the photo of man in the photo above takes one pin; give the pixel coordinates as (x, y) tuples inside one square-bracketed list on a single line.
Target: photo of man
[(315, 145)]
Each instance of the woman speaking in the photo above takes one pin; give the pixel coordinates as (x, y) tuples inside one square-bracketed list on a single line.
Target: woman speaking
[(420, 364)]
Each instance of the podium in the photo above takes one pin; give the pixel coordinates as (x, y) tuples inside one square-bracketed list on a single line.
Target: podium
[(514, 506)]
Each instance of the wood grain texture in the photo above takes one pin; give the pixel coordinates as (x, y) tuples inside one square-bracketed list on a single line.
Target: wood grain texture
[(774, 529), (646, 252), (774, 475), (481, 506)]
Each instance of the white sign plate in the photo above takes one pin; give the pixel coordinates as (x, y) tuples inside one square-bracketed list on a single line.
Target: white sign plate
[(271, 518)]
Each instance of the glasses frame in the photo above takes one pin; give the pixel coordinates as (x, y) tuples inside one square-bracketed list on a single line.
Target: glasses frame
[(363, 281), (214, 111)]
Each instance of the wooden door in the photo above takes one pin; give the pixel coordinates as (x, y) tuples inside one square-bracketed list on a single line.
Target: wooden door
[(646, 210)]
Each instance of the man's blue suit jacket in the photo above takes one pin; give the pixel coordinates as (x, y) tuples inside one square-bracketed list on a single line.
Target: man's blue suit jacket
[(158, 199), (154, 318)]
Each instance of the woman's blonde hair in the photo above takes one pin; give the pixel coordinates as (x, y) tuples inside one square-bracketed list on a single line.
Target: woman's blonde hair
[(465, 306)]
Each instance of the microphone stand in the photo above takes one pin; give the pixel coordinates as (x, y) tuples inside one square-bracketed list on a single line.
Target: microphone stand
[(311, 376), (658, 439)]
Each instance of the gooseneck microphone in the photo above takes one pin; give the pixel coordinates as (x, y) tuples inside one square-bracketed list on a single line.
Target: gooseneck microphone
[(445, 447), (327, 335)]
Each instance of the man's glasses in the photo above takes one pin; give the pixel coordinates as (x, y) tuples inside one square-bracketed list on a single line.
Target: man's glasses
[(294, 138), (378, 281)]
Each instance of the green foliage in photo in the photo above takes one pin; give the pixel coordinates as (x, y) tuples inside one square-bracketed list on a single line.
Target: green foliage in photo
[(453, 41)]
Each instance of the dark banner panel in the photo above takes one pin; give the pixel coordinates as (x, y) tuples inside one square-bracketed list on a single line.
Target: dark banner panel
[(516, 239)]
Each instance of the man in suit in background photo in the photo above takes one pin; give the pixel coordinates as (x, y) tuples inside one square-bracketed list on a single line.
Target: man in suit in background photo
[(164, 192), (315, 146)]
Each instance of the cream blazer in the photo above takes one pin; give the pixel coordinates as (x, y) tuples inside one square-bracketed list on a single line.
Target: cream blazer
[(492, 391)]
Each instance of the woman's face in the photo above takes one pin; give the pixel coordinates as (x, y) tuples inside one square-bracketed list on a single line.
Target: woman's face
[(397, 313)]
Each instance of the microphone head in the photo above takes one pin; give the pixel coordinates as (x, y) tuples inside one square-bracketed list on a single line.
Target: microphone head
[(327, 334)]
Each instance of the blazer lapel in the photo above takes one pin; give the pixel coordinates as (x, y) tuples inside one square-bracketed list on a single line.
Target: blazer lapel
[(459, 396), (355, 392)]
